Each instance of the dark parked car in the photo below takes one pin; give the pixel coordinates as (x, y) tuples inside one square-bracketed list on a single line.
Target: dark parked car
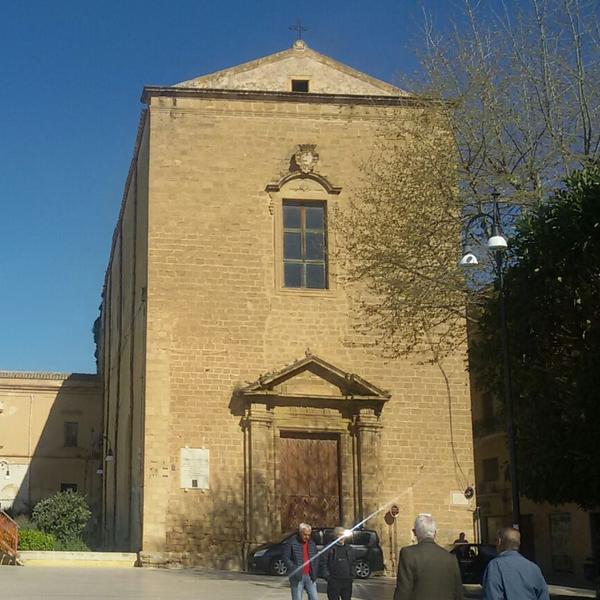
[(472, 560), (268, 558)]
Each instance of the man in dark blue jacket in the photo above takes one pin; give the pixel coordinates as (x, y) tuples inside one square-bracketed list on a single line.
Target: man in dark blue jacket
[(511, 576), (302, 560), (338, 567)]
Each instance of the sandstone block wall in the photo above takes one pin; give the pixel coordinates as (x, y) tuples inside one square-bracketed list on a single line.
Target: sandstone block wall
[(217, 318)]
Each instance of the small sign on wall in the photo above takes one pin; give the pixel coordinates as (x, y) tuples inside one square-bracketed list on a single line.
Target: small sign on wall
[(458, 499), (194, 468)]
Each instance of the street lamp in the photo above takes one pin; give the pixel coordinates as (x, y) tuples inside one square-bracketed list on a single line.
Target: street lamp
[(109, 456), (497, 244)]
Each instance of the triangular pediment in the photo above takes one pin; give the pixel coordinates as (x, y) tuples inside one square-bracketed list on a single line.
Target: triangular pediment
[(275, 72), (312, 377)]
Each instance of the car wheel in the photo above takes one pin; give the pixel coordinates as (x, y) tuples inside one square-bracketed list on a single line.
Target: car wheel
[(362, 569), (278, 567)]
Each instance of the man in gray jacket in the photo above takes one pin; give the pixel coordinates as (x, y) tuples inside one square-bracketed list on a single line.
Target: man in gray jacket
[(426, 571)]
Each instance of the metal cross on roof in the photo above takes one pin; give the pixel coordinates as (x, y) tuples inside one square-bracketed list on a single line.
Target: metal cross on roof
[(298, 28)]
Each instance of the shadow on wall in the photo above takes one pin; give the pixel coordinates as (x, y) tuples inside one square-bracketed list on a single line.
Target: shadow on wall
[(207, 522), (217, 536), (50, 439)]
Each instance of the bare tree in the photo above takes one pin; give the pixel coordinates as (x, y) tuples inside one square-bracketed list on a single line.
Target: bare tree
[(516, 107)]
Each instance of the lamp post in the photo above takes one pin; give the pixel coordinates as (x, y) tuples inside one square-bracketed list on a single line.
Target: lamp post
[(109, 456), (497, 244)]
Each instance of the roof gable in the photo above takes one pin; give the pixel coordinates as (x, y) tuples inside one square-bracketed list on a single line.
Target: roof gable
[(276, 71)]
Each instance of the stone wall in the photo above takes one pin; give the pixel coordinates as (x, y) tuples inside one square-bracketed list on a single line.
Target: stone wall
[(218, 318), (122, 359)]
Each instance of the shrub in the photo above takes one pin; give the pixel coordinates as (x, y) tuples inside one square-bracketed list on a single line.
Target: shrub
[(64, 515), (32, 539), (76, 545)]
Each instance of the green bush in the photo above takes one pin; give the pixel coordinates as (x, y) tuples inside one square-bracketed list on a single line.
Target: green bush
[(76, 545), (64, 515), (32, 539)]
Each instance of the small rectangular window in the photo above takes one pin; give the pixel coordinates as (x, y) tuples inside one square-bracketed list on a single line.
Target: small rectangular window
[(68, 487), (561, 541), (490, 469), (304, 245), (71, 434), (361, 538), (300, 85)]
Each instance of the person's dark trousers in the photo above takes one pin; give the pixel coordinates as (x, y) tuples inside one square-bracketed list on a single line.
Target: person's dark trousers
[(339, 588)]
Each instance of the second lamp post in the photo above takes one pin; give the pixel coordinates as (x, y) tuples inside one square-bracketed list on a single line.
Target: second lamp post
[(497, 245)]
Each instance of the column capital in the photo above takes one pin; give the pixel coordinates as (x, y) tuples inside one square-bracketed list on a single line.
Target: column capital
[(259, 414), (367, 419)]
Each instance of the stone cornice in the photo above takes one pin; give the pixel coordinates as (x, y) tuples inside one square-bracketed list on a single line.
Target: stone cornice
[(20, 381), (150, 92), (48, 375), (351, 385)]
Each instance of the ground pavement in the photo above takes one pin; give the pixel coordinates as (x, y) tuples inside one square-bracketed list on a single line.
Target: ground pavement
[(70, 583)]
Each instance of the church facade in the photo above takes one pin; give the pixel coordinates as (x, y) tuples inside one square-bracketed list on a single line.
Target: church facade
[(239, 399)]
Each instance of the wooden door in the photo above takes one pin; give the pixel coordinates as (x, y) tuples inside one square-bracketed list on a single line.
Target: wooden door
[(527, 537), (309, 486)]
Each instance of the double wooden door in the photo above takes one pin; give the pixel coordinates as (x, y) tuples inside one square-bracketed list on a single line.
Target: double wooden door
[(309, 480)]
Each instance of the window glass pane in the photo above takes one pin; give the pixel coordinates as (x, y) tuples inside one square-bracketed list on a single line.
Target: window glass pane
[(314, 246), (315, 276), (315, 217), (71, 431), (292, 274), (299, 85), (292, 247), (361, 538), (291, 217)]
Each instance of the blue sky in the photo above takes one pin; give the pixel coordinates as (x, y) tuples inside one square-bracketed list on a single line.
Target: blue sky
[(72, 73)]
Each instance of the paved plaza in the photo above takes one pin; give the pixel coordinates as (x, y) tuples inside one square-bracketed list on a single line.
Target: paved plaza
[(37, 583)]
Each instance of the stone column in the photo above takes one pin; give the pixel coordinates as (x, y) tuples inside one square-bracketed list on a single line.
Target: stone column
[(261, 492), (367, 428)]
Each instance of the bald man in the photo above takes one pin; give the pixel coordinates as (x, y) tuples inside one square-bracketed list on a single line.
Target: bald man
[(511, 576)]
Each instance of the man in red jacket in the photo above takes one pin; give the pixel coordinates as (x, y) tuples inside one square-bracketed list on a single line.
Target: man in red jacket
[(302, 560)]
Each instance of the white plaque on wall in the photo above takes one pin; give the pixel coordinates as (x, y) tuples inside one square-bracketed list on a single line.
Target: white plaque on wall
[(458, 499), (194, 468)]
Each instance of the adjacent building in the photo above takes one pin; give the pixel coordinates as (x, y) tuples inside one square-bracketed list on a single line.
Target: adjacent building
[(562, 539), (50, 438)]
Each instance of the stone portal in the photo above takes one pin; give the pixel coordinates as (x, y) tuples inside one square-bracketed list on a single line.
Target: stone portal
[(313, 442)]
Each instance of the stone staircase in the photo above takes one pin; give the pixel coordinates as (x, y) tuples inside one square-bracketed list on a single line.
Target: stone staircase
[(9, 540)]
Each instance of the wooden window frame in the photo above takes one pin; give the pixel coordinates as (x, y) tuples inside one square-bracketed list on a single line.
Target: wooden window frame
[(303, 230)]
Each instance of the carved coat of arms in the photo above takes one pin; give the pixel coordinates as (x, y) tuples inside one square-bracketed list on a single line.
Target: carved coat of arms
[(306, 158)]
